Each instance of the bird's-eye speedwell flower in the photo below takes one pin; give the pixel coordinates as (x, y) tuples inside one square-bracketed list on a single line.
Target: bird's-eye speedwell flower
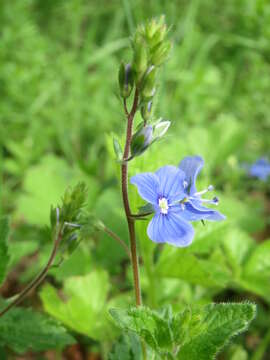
[(172, 193)]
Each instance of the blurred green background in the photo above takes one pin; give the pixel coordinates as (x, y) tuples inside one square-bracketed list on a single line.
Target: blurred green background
[(59, 105)]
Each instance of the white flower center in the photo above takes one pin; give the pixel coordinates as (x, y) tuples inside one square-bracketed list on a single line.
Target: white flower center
[(163, 204)]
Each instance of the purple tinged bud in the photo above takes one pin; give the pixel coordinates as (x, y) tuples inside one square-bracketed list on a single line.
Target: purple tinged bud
[(126, 80), (146, 111), (141, 140)]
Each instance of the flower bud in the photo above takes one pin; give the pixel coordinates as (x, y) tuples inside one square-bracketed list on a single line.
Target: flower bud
[(148, 84), (126, 80), (140, 59), (151, 28), (156, 31), (146, 110), (161, 53), (141, 140)]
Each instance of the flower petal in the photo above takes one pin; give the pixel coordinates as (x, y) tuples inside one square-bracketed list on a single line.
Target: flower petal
[(148, 186), (170, 228), (191, 166), (194, 211), (171, 181)]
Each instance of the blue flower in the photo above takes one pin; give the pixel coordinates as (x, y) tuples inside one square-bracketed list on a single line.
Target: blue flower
[(192, 205), (260, 169), (172, 193)]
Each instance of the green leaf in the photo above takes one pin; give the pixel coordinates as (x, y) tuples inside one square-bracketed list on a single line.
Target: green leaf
[(216, 324), (180, 263), (237, 245), (148, 324), (197, 333), (256, 271), (84, 308), (259, 261), (4, 257), (128, 347), (146, 209), (22, 330), (54, 175), (208, 236)]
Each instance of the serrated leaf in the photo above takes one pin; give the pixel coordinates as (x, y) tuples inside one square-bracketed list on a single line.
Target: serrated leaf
[(128, 347), (217, 324), (22, 330), (4, 257), (148, 324)]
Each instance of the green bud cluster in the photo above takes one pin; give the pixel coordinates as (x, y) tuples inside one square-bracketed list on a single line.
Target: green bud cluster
[(71, 219), (150, 50), (72, 205)]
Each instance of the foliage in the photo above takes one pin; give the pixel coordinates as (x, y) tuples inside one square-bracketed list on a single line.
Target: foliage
[(22, 330), (60, 111), (191, 334), (84, 308)]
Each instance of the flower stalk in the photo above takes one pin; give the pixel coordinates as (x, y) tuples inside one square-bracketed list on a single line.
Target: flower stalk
[(38, 280), (124, 182)]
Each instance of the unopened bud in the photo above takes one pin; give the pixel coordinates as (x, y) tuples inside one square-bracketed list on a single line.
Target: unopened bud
[(151, 28), (126, 80), (141, 140), (148, 88), (161, 53), (156, 31), (146, 110), (140, 60)]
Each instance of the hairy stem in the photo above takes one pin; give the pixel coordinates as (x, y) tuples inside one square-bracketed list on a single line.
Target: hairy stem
[(124, 183), (34, 283)]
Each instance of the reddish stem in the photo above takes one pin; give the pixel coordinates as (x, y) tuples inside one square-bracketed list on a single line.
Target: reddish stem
[(130, 220)]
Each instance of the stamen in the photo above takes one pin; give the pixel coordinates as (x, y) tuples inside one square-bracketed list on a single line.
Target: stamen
[(185, 184), (214, 201), (210, 188), (163, 204)]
